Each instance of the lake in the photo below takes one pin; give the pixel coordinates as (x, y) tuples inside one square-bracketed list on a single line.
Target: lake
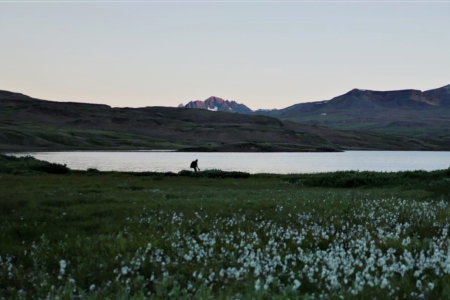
[(281, 163)]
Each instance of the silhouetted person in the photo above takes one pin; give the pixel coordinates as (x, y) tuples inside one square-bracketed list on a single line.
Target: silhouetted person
[(194, 165)]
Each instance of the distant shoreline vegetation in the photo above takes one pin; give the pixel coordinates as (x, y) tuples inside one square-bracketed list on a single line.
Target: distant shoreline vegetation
[(244, 147)]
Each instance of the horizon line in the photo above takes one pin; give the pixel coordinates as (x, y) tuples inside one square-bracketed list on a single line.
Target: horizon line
[(226, 1), (230, 100)]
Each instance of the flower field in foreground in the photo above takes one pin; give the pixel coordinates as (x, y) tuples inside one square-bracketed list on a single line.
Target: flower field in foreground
[(123, 237)]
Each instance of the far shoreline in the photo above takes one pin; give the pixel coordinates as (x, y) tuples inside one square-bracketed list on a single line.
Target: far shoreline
[(11, 151)]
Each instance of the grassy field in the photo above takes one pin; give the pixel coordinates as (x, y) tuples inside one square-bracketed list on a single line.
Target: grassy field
[(222, 235)]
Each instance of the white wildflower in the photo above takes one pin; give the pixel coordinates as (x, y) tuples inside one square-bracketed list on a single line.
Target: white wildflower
[(296, 284)]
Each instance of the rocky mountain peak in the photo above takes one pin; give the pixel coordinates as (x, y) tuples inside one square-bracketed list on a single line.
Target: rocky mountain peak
[(218, 104)]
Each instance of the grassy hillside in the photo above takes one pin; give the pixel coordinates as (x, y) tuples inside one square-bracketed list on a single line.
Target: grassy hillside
[(420, 124), (221, 235), (27, 123), (408, 113)]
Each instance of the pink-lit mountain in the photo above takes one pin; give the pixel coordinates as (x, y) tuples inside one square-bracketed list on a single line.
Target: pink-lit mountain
[(219, 104)]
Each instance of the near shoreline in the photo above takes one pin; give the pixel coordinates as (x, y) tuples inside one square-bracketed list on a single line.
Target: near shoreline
[(221, 235)]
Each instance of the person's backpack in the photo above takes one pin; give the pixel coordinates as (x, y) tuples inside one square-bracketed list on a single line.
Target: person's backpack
[(193, 164)]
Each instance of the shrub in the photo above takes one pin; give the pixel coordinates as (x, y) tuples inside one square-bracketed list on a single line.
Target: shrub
[(22, 165), (354, 179), (50, 168), (151, 174), (439, 188), (214, 174)]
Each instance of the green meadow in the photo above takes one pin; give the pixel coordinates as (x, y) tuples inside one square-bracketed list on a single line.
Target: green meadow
[(68, 234)]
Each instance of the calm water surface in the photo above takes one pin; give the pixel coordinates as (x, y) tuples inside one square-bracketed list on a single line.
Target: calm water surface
[(281, 163)]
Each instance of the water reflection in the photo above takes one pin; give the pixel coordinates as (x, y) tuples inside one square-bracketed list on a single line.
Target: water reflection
[(281, 163)]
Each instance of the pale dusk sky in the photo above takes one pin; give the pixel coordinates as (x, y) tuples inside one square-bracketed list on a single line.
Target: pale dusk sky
[(262, 54)]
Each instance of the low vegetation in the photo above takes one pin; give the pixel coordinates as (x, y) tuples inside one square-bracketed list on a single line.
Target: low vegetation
[(221, 235)]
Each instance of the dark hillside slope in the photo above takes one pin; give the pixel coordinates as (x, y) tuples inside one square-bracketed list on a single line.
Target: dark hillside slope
[(440, 95), (405, 112), (28, 123)]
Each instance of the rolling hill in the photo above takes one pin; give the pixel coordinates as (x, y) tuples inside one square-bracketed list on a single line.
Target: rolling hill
[(27, 123), (404, 112)]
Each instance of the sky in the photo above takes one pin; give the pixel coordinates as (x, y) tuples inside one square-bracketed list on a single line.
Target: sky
[(263, 54)]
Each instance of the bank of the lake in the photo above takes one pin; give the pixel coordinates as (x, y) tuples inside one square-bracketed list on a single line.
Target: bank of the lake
[(221, 235), (279, 163)]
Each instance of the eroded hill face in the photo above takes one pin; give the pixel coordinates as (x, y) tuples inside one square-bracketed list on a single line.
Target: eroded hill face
[(441, 95), (28, 123)]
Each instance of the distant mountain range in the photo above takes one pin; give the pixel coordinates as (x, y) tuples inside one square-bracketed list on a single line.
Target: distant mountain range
[(27, 123), (403, 112)]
